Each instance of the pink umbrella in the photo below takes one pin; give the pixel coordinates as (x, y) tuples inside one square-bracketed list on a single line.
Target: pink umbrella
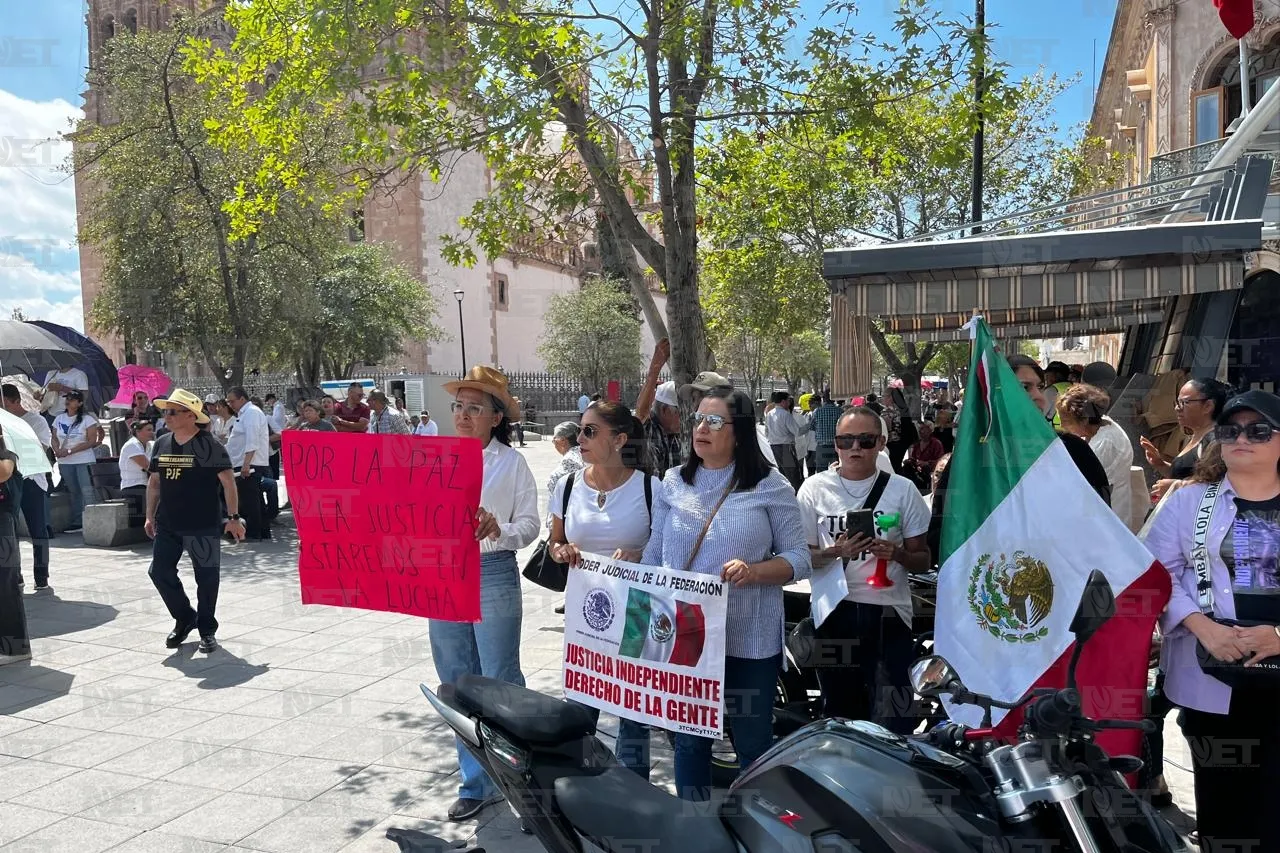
[(135, 378), (926, 384), (895, 383)]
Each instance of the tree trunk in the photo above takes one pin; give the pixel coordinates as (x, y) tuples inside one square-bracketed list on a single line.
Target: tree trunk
[(618, 260)]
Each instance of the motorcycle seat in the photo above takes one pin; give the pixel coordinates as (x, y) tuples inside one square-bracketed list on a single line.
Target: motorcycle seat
[(620, 812), (536, 719)]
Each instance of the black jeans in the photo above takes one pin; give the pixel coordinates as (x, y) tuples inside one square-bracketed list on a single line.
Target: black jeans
[(1236, 758), (15, 639), (205, 551), (35, 512), (252, 502), (866, 654), (785, 455), (273, 493)]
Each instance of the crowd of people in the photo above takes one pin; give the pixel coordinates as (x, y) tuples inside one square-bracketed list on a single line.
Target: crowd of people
[(760, 495)]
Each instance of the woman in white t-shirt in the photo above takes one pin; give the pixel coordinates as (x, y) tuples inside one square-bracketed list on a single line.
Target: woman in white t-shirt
[(75, 434), (608, 513), (135, 463), (868, 625)]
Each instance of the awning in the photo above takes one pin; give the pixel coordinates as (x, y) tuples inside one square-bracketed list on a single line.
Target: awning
[(1054, 329), (909, 324), (1059, 268)]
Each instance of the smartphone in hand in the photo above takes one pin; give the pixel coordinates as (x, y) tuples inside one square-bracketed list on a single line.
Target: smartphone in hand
[(860, 521)]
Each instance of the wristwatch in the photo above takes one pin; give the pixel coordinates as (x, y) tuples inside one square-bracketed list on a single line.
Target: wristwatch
[(231, 518)]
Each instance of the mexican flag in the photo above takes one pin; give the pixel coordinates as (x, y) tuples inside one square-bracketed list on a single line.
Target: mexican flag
[(1022, 531), (665, 630)]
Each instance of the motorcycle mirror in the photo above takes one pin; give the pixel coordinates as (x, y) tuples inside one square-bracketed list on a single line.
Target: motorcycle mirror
[(931, 675), (1097, 605)]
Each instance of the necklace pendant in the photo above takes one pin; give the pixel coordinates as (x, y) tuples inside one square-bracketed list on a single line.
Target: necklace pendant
[(600, 499)]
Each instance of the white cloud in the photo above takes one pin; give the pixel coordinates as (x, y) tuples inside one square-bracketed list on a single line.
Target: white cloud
[(39, 260)]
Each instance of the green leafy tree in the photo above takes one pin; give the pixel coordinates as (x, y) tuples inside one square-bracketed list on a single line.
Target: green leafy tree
[(819, 183), (592, 334), (359, 308), (625, 94), (159, 192), (801, 357)]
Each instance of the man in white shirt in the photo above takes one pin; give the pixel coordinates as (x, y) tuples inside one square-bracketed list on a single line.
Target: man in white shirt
[(276, 422), (863, 625), (249, 447), (783, 432), (64, 382), (583, 402), (35, 491), (425, 425), (805, 443)]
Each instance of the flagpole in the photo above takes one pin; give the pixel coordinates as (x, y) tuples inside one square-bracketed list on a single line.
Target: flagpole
[(1245, 106)]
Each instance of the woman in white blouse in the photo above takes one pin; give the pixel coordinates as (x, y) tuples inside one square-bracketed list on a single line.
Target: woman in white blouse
[(609, 510), (135, 463), (507, 520)]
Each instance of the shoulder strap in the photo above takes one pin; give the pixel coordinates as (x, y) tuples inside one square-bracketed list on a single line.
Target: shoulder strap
[(702, 534), (648, 494), (568, 489), (877, 491), (1200, 553)]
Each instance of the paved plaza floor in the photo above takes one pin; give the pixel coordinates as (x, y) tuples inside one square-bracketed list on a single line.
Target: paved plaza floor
[(306, 731)]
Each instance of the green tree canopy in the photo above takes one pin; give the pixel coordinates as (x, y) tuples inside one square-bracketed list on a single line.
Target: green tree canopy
[(592, 334)]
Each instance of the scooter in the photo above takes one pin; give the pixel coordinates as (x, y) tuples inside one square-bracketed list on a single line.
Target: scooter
[(833, 786)]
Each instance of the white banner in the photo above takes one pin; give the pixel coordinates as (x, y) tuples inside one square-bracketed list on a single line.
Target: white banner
[(646, 643)]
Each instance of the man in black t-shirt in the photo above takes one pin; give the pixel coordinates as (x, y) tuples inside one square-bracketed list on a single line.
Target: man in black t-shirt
[(184, 513)]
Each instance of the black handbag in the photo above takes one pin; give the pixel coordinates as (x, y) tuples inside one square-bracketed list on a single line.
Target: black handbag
[(1234, 673), (803, 642), (1266, 674), (542, 568)]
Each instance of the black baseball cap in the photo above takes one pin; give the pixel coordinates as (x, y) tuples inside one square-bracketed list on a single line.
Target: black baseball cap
[(1267, 405)]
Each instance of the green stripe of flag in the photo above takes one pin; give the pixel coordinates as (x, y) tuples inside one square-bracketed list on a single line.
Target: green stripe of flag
[(1000, 435), (636, 627)]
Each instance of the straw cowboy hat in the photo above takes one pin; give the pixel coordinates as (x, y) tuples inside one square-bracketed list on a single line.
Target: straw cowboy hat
[(186, 400), (492, 382)]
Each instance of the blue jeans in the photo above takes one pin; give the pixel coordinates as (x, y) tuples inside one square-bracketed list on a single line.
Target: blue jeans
[(632, 746), (749, 686), (35, 511), (490, 647), (79, 488)]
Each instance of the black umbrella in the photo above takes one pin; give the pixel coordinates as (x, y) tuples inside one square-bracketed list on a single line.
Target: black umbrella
[(29, 349), (96, 364)]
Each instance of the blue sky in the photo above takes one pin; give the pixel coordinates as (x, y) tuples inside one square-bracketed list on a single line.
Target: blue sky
[(43, 52)]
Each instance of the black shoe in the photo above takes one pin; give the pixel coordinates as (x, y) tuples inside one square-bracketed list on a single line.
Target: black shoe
[(208, 644), (467, 807), (560, 609), (525, 826), (44, 587), (181, 629)]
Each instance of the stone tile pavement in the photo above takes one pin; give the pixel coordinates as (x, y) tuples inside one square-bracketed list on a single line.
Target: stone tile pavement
[(306, 730)]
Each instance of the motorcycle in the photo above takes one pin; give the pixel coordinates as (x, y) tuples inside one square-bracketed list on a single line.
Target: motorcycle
[(833, 785)]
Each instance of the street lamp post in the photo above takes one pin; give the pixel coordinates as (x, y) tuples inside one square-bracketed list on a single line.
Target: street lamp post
[(462, 330)]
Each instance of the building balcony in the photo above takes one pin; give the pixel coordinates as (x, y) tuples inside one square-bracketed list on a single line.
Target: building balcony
[(1188, 161)]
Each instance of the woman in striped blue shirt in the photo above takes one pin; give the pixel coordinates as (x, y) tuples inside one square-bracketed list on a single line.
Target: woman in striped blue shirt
[(755, 542)]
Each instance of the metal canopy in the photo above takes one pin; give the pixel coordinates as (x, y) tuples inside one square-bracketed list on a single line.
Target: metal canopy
[(1054, 329), (1043, 270), (1115, 246), (910, 324)]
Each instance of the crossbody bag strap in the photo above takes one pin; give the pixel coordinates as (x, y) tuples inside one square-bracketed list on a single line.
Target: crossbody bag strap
[(697, 546), (648, 494), (1199, 550), (877, 491), (568, 490)]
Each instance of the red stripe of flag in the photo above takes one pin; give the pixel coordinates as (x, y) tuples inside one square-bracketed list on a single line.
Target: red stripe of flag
[(691, 633)]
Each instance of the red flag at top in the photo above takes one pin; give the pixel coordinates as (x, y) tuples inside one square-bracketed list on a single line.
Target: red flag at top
[(1236, 15)]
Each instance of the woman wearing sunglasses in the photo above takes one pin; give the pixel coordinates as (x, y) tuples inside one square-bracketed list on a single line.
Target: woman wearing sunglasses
[(1197, 409), (871, 625), (729, 513), (608, 513), (1227, 570), (506, 521)]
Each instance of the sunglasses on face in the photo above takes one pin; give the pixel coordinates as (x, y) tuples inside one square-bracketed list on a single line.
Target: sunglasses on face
[(864, 440), (715, 423), (1254, 433), (171, 413), (471, 410), (591, 431)]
